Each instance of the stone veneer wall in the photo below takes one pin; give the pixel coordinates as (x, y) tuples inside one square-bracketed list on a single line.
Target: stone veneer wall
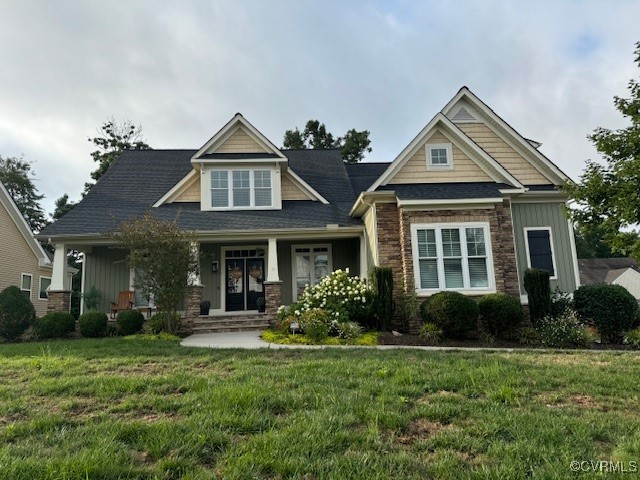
[(394, 244), (500, 228), (59, 301), (273, 299)]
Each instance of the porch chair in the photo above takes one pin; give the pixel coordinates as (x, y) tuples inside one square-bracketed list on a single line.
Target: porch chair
[(125, 302)]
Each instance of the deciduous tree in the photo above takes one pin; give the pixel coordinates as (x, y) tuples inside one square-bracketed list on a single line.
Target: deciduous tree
[(608, 195)]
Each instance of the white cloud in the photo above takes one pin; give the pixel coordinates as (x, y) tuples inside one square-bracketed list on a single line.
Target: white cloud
[(183, 69)]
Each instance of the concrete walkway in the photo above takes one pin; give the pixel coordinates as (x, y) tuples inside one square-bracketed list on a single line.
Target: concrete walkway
[(252, 340)]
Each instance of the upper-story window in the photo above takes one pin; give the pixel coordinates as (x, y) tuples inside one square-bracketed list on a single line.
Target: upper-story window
[(240, 188), (439, 156)]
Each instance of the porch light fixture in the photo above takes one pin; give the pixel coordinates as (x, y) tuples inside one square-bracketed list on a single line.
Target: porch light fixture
[(214, 266)]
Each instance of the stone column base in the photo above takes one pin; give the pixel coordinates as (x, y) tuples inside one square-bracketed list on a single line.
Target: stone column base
[(273, 299), (59, 301), (192, 300)]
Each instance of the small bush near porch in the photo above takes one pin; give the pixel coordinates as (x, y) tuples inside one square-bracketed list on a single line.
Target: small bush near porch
[(138, 408)]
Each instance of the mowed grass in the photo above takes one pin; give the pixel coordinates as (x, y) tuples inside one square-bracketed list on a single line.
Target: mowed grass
[(136, 408)]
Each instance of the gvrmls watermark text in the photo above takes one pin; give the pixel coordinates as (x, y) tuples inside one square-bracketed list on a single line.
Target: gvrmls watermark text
[(604, 466)]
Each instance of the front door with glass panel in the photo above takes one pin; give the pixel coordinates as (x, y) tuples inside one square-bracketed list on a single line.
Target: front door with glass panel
[(244, 279), (311, 263)]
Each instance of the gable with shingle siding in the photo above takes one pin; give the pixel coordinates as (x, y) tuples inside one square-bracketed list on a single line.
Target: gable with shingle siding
[(240, 142), (415, 169), (503, 153)]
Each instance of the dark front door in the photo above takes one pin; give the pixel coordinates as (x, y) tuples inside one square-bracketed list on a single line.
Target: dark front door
[(244, 279)]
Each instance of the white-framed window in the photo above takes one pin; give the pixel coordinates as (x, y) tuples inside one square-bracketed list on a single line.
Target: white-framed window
[(439, 156), (540, 254), (26, 282), (452, 257), (43, 291), (310, 264), (241, 188)]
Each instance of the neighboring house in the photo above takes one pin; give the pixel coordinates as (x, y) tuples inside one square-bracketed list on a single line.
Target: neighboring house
[(615, 271), (23, 262), (467, 206)]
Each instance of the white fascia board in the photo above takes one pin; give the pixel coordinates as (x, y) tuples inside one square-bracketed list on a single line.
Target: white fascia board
[(177, 189), (366, 199), (237, 121), (525, 145), (23, 227), (458, 202), (308, 189)]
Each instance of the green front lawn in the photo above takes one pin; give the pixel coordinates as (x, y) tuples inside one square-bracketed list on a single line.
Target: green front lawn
[(123, 408)]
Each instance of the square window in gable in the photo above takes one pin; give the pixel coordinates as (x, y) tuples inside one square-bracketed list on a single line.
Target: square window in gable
[(439, 156)]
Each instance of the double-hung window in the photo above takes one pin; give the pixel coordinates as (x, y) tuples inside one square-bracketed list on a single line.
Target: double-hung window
[(45, 283), (452, 257), (310, 264), (26, 280), (241, 189)]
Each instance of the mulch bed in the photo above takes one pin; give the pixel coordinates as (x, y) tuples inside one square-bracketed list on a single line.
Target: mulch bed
[(387, 338)]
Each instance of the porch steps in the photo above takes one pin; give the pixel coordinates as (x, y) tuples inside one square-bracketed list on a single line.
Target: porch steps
[(231, 323)]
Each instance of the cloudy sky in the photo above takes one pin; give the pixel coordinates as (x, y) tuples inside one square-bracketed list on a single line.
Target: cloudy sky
[(181, 69)]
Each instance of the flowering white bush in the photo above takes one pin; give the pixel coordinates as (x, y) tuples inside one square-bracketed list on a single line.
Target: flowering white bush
[(345, 298)]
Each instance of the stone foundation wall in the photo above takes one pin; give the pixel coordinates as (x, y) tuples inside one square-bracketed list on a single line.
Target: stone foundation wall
[(59, 301)]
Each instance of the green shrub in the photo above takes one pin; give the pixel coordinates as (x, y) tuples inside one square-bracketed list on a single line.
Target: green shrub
[(431, 333), (611, 308), (454, 313), (564, 331), (16, 313), (92, 298), (560, 302), (530, 337), (93, 324), (129, 322), (55, 325), (315, 324), (502, 314), (536, 283), (163, 322), (632, 338), (345, 330), (381, 280)]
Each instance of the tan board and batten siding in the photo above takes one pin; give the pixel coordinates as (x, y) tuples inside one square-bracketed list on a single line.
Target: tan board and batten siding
[(240, 142), (415, 169), (16, 258), (511, 160)]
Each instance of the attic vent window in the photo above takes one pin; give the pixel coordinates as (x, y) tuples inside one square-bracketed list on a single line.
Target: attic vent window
[(463, 115), (439, 157)]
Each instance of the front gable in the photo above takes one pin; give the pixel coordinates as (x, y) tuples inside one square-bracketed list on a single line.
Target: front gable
[(239, 169), (518, 155), (469, 162)]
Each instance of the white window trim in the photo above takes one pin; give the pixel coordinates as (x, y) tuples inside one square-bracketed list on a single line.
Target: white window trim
[(294, 283), (553, 253), (274, 187), (22, 275), (40, 287), (446, 166), (490, 288)]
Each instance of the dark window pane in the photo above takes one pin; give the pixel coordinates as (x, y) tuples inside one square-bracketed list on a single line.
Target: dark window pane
[(540, 250)]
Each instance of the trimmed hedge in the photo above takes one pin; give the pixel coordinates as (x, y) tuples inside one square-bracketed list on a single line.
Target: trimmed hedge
[(610, 308), (381, 279), (538, 287), (55, 325), (93, 324), (454, 313), (129, 322), (16, 313), (502, 314)]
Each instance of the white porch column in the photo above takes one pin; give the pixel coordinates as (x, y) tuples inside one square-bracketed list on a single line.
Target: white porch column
[(194, 278), (59, 274), (272, 261), (363, 257)]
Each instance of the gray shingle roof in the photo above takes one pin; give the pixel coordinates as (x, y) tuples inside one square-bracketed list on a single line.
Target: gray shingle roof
[(445, 191), (137, 179), (364, 174), (595, 270)]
